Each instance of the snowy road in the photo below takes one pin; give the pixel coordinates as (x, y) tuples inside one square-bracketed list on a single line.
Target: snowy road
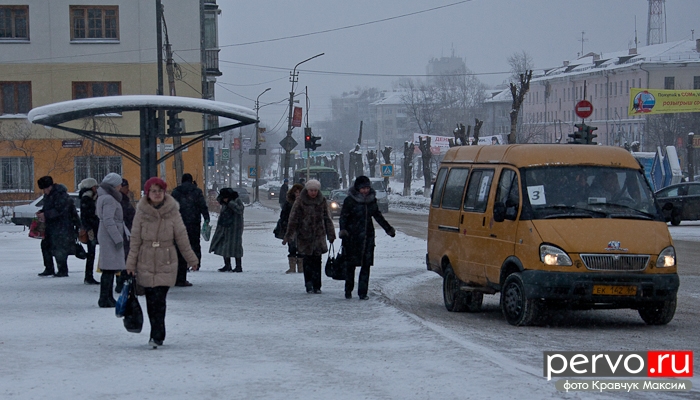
[(259, 335)]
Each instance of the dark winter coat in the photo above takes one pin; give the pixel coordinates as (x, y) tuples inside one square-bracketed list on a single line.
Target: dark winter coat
[(356, 220), (62, 219), (286, 210), (110, 236), (228, 236), (310, 224), (128, 210), (283, 189), (88, 219), (193, 206), (155, 233)]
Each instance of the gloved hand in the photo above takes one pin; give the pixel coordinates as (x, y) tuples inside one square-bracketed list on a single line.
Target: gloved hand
[(119, 245), (391, 232), (343, 234), (284, 242)]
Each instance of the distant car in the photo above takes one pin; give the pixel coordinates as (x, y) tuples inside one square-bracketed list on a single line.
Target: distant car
[(23, 215), (680, 202), (382, 193), (273, 192), (243, 194), (335, 201)]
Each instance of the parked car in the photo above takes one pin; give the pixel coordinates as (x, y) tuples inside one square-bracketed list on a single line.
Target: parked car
[(273, 192), (680, 202), (23, 215), (243, 194), (335, 201)]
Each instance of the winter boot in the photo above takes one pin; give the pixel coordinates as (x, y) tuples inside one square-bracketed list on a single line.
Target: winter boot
[(62, 271), (238, 265), (48, 271), (300, 265), (227, 265), (292, 265), (89, 279), (106, 299), (120, 278)]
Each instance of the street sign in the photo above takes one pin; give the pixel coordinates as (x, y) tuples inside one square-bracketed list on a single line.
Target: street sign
[(288, 143), (696, 141), (72, 144), (387, 170), (251, 171), (210, 156), (261, 152), (225, 154), (584, 109)]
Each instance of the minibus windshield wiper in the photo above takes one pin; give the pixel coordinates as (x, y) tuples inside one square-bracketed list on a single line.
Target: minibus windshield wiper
[(571, 212)]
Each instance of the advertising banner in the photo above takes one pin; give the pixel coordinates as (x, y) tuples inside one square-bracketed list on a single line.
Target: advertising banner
[(657, 101), (440, 144), (296, 117)]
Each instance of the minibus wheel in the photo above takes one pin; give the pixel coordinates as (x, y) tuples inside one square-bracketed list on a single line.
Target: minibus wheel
[(659, 313), (516, 307), (451, 294)]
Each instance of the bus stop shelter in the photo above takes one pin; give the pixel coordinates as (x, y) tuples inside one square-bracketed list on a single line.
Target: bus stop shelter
[(56, 114)]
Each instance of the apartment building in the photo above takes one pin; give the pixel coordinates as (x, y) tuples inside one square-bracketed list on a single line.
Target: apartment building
[(59, 50)]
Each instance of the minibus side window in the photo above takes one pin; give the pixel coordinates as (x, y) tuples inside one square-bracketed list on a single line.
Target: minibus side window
[(478, 190), (438, 187), (508, 193), (454, 188)]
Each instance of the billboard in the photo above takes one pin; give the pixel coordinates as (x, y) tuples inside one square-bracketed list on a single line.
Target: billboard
[(657, 101)]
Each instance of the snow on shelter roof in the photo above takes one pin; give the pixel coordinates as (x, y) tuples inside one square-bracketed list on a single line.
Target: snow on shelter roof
[(69, 110)]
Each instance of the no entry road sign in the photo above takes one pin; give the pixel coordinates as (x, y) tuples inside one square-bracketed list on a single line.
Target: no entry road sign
[(584, 109)]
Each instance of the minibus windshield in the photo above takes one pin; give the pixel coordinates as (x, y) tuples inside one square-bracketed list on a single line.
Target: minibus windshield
[(588, 192)]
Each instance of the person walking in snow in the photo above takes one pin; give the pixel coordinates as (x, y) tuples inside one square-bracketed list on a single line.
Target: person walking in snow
[(59, 214), (357, 233), (128, 212), (284, 189), (309, 225), (228, 236), (294, 258), (193, 207), (110, 236), (157, 229), (90, 223)]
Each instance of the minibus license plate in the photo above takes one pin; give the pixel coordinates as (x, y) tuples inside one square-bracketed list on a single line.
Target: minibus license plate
[(614, 290)]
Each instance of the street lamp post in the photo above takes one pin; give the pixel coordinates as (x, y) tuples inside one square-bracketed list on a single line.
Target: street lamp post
[(287, 150), (257, 147)]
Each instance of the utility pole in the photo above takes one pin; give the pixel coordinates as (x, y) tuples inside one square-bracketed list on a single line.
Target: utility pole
[(177, 140), (257, 147), (240, 157), (288, 142), (161, 113)]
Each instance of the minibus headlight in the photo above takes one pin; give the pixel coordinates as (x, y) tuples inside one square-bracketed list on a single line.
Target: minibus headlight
[(551, 255), (667, 258)]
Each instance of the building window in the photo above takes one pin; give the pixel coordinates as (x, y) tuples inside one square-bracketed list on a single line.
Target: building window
[(94, 22), (14, 22), (15, 97), (696, 82), (669, 83), (83, 90), (96, 167), (17, 174)]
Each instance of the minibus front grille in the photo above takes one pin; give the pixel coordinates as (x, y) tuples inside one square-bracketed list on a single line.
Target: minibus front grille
[(615, 262)]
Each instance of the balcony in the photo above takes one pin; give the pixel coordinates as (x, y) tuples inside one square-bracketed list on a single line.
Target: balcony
[(211, 62)]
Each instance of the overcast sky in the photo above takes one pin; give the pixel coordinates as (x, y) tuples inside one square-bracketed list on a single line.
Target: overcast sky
[(261, 41)]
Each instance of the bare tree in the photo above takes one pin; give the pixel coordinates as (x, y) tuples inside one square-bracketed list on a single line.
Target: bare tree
[(422, 103), (520, 63), (426, 157), (408, 148), (372, 161), (518, 93)]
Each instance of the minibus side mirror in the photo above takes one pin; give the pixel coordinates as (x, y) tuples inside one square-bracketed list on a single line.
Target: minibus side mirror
[(499, 212)]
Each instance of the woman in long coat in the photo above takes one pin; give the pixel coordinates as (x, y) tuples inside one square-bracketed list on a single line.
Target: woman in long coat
[(156, 229), (309, 225), (295, 261), (357, 233), (228, 236), (110, 236)]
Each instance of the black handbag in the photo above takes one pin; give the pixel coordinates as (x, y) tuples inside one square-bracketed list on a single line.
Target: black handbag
[(278, 230), (335, 267), (80, 251), (133, 315)]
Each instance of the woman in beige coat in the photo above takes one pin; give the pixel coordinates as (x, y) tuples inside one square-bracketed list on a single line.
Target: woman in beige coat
[(157, 228)]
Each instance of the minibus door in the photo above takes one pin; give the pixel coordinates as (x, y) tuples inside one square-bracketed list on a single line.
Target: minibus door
[(475, 251), (502, 234), (443, 233)]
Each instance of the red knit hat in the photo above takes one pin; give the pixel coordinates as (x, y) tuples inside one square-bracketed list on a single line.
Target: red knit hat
[(154, 181)]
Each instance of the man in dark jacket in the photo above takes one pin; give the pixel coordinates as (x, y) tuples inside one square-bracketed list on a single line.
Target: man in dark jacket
[(357, 233), (90, 223), (193, 207), (283, 192), (61, 218), (128, 211)]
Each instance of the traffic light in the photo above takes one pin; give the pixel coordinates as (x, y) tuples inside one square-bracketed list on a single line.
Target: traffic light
[(579, 134), (314, 145), (174, 123), (307, 138), (590, 135)]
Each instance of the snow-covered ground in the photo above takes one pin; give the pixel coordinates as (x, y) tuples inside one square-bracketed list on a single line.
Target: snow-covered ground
[(256, 334)]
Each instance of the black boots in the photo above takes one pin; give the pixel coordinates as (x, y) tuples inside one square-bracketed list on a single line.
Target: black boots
[(121, 277), (238, 265), (106, 299), (227, 265), (48, 271)]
